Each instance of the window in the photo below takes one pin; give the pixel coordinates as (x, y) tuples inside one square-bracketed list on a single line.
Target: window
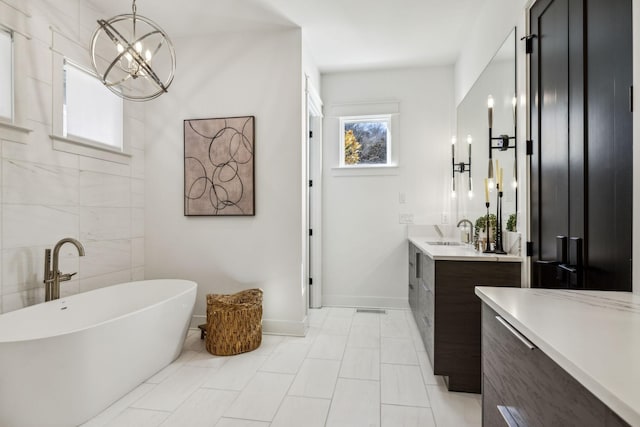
[(6, 75), (365, 141), (91, 112)]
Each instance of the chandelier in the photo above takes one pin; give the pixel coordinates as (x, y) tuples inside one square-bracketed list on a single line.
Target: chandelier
[(133, 56)]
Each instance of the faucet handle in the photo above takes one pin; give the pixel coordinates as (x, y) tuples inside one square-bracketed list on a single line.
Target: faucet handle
[(65, 277)]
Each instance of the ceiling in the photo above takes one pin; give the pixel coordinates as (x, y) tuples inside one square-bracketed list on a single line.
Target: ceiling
[(340, 34)]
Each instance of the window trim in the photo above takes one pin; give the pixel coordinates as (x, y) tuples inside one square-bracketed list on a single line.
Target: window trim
[(12, 84), (79, 139), (14, 129), (70, 143), (386, 118)]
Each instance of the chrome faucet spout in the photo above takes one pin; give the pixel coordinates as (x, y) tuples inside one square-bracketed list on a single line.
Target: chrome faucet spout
[(465, 221), (52, 276), (467, 234)]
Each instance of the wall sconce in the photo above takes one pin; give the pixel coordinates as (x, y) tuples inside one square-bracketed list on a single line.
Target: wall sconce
[(460, 167), (501, 142)]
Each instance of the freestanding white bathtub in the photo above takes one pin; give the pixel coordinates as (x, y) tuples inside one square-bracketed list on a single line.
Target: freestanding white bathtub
[(64, 361)]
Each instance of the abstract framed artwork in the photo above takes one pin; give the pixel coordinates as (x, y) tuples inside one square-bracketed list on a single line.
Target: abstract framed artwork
[(219, 167)]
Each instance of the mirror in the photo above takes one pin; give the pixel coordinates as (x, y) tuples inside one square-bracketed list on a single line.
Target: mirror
[(498, 80)]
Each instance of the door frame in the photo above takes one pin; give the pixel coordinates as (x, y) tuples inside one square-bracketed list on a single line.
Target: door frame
[(313, 195)]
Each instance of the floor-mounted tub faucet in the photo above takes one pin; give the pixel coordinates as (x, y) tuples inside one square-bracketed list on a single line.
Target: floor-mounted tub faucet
[(52, 276)]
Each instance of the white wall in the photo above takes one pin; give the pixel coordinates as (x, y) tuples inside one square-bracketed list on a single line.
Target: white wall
[(495, 20), (49, 194), (364, 246), (232, 74)]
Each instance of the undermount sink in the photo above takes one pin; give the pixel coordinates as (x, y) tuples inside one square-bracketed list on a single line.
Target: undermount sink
[(445, 243)]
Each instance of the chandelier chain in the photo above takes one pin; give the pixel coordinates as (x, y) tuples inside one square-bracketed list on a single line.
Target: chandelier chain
[(134, 10)]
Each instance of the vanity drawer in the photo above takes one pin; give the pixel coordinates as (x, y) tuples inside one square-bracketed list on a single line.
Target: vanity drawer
[(428, 272), (413, 296), (534, 388), (494, 412), (426, 332)]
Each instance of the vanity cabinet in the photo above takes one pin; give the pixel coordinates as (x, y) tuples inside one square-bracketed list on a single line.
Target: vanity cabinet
[(414, 260), (448, 313), (522, 386)]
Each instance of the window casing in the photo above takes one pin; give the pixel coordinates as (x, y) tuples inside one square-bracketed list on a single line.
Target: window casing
[(365, 141), (91, 112), (6, 75)]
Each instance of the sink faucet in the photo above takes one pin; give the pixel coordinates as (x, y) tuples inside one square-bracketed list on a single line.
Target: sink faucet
[(468, 234), (52, 276)]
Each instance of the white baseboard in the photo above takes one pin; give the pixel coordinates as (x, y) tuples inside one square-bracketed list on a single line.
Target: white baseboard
[(370, 302), (269, 326), (196, 320)]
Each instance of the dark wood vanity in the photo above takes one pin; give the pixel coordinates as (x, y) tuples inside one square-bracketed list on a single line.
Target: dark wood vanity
[(555, 357), (448, 314), (522, 386)]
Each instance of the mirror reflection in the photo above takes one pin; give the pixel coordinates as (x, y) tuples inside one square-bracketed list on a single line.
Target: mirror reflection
[(495, 87)]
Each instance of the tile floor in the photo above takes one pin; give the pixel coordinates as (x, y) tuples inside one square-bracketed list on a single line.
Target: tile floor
[(352, 369)]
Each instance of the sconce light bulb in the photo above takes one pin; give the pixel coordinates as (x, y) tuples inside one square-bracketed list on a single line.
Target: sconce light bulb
[(138, 47), (490, 101), (470, 194), (469, 139), (453, 140), (147, 55), (453, 194), (492, 184), (120, 48)]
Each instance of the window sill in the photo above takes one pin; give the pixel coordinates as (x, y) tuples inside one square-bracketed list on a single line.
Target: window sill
[(89, 149), (377, 170), (13, 132)]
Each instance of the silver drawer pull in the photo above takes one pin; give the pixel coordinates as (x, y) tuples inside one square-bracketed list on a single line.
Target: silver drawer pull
[(518, 335), (508, 418)]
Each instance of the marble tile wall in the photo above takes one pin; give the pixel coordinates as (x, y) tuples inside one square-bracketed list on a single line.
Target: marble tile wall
[(48, 194)]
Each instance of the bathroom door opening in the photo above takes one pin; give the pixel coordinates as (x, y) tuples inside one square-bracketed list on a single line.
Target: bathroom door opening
[(314, 197)]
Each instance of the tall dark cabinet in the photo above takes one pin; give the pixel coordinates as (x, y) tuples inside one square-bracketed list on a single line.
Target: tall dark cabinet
[(581, 149)]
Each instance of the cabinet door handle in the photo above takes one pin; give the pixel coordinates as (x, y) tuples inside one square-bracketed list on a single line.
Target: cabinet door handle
[(410, 286), (517, 334), (506, 415)]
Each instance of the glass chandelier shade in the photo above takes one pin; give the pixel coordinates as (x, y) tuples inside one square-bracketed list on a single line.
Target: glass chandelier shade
[(133, 56)]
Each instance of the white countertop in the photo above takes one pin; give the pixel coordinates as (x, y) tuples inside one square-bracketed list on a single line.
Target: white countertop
[(457, 253), (593, 335)]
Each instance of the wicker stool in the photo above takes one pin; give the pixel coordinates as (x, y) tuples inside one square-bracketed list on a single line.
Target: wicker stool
[(234, 322)]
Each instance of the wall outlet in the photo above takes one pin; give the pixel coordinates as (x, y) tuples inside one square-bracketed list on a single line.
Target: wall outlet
[(406, 219), (445, 218)]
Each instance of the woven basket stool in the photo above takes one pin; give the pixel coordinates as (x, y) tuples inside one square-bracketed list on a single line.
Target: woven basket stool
[(234, 322)]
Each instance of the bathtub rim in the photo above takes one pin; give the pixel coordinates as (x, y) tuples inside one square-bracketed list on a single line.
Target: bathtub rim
[(193, 287)]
